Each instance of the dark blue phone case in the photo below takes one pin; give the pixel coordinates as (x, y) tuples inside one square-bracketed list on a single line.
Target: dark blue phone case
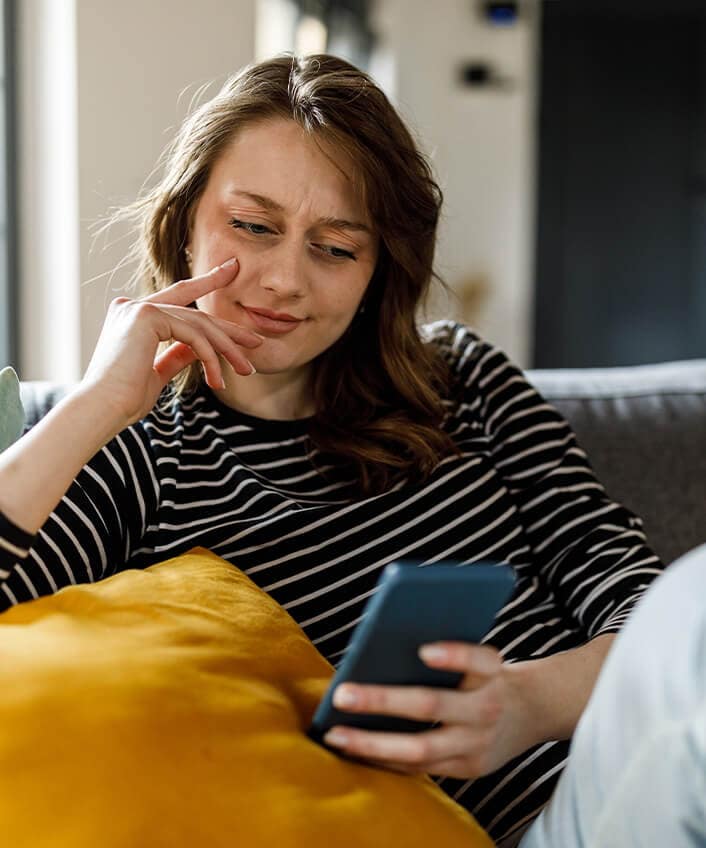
[(414, 605)]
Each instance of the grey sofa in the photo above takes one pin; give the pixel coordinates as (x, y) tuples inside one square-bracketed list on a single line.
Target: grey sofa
[(643, 427), (644, 430)]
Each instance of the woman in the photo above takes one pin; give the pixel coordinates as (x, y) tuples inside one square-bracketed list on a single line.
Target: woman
[(330, 435)]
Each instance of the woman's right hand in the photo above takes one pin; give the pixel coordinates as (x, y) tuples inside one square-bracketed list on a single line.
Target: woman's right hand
[(126, 368)]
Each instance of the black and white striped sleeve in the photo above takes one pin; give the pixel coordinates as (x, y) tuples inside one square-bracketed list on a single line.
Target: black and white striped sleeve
[(591, 551), (93, 529)]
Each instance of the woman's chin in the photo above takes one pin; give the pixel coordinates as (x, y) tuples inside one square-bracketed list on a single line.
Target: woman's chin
[(272, 366)]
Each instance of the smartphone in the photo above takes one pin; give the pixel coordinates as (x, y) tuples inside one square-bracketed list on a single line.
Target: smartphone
[(414, 605)]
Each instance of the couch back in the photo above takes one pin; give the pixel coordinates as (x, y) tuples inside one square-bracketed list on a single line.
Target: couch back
[(644, 430), (643, 427)]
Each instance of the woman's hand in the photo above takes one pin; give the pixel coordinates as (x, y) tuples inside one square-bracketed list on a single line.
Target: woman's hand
[(126, 368), (483, 724)]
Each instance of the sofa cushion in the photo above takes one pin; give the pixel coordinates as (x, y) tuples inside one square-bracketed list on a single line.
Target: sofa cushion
[(644, 429), (168, 707)]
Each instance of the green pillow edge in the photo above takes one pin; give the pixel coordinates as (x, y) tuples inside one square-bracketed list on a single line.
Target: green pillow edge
[(12, 414)]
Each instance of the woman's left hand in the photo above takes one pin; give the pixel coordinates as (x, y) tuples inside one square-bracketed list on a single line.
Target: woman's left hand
[(483, 724)]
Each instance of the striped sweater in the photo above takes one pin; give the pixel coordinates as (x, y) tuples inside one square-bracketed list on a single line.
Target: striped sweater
[(195, 472)]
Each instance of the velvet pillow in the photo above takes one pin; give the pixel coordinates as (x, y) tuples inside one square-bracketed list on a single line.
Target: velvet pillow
[(168, 707)]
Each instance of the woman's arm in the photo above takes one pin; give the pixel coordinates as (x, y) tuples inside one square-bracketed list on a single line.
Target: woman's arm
[(124, 379), (95, 527), (552, 692), (587, 549), (83, 475), (36, 471)]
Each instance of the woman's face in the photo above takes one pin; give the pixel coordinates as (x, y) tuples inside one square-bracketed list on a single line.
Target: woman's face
[(304, 241)]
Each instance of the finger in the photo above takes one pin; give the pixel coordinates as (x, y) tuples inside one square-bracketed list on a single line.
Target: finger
[(240, 335), (410, 749), (478, 663), (173, 360), (187, 334), (416, 702), (475, 759), (184, 292), (475, 707), (220, 335)]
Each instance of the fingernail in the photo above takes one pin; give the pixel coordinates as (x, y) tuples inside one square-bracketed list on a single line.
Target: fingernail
[(229, 263), (254, 370), (432, 653), (336, 738), (343, 697)]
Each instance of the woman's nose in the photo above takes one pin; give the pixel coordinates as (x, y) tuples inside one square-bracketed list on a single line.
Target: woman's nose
[(284, 271)]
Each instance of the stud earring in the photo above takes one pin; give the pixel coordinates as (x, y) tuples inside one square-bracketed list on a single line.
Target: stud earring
[(188, 255)]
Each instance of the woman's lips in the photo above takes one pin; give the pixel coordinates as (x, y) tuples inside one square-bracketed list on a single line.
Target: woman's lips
[(271, 325)]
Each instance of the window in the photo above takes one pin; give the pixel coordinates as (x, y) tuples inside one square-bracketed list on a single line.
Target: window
[(8, 255)]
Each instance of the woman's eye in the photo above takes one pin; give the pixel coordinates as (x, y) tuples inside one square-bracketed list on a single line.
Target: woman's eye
[(335, 252), (262, 230), (255, 229)]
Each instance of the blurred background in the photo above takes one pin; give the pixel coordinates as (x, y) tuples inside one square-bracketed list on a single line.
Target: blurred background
[(569, 137)]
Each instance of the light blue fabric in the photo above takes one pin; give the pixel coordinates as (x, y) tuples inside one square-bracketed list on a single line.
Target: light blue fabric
[(636, 776), (12, 416)]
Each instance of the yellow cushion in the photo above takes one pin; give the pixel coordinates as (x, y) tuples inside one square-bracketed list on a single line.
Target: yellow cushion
[(167, 707)]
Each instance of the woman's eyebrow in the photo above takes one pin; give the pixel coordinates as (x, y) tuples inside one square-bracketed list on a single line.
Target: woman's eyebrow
[(272, 205), (342, 224), (260, 199)]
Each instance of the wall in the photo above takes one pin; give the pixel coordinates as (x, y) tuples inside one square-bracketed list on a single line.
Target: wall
[(482, 144), (103, 86)]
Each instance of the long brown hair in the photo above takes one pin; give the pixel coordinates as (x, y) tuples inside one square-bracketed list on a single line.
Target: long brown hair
[(377, 390)]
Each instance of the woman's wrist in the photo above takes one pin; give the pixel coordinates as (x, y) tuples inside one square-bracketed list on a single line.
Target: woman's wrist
[(102, 407), (549, 694), (524, 682)]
